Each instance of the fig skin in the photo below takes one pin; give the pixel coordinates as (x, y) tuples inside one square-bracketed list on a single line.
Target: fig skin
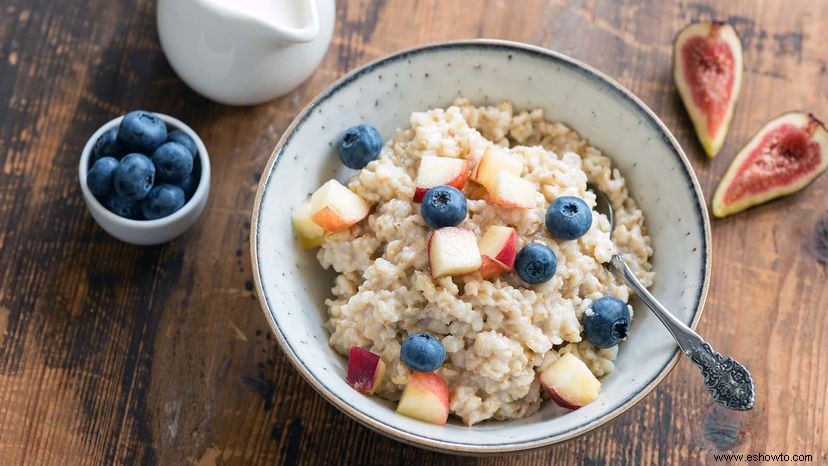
[(817, 134), (726, 34)]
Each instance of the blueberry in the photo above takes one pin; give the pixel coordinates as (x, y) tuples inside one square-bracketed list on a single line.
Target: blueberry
[(569, 217), (184, 139), (443, 206), (173, 162), (423, 352), (360, 145), (99, 177), (162, 200), (121, 207), (606, 322), (142, 131), (536, 263), (189, 186), (107, 145), (134, 177)]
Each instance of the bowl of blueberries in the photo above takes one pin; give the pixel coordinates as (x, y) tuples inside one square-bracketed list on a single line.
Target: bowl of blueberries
[(145, 177)]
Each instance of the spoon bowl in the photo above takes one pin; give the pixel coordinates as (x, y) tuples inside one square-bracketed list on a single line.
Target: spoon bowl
[(603, 205)]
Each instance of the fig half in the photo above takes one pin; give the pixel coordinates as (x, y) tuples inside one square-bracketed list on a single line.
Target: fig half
[(707, 68), (785, 155)]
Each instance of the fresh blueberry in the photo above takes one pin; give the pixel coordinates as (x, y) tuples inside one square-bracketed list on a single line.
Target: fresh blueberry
[(443, 206), (142, 131), (99, 177), (162, 200), (569, 217), (122, 207), (606, 322), (134, 177), (536, 263), (107, 145), (173, 162), (360, 145), (184, 139), (189, 186), (423, 352)]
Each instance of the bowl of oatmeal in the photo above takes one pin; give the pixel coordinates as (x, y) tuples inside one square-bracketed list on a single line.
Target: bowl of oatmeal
[(374, 273)]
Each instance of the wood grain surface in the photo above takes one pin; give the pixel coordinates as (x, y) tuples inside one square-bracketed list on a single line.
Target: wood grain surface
[(115, 354)]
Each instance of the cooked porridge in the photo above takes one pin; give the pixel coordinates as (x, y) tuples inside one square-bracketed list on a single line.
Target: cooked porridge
[(499, 333)]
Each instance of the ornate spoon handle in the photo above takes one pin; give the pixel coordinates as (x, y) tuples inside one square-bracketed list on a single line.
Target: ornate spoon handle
[(729, 382)]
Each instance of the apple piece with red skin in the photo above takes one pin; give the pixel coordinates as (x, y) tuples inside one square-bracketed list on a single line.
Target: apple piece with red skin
[(426, 397), (495, 160), (436, 171), (512, 191), (452, 251), (335, 207), (365, 370), (310, 234), (498, 248), (570, 383)]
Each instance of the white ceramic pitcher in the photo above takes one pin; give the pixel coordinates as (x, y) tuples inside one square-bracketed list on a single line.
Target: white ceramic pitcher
[(244, 52)]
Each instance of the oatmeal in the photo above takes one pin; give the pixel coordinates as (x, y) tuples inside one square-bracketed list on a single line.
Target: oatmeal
[(499, 333)]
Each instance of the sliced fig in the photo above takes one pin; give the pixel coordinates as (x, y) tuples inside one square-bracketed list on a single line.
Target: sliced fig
[(707, 68), (783, 157)]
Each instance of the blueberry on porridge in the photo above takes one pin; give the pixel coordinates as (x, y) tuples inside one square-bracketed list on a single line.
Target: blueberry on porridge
[(483, 315)]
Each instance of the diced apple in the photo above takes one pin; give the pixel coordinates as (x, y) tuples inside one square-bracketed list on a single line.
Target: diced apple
[(452, 251), (436, 171), (426, 397), (475, 192), (335, 207), (365, 370), (498, 248), (570, 383), (509, 190), (310, 234), (495, 160)]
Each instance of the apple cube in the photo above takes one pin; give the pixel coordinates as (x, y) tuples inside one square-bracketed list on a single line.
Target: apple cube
[(365, 370), (475, 192), (570, 383), (509, 190), (436, 171), (495, 160), (426, 397), (310, 234), (335, 207), (452, 251), (498, 248)]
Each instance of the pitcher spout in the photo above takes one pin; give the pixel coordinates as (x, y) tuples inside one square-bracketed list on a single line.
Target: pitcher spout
[(292, 21), (303, 25)]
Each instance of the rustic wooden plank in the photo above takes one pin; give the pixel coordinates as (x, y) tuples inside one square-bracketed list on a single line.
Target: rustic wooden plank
[(113, 354)]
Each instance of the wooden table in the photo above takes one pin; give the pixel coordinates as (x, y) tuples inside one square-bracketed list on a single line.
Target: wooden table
[(115, 354)]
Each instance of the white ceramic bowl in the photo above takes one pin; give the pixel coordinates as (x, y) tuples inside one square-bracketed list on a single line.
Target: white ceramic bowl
[(292, 286), (147, 232)]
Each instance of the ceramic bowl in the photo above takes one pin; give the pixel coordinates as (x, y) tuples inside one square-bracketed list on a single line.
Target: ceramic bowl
[(292, 286), (148, 232)]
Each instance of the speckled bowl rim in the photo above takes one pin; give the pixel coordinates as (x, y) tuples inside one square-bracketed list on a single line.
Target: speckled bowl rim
[(459, 447)]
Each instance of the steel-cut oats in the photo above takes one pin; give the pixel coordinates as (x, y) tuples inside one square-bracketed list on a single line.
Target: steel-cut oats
[(500, 333)]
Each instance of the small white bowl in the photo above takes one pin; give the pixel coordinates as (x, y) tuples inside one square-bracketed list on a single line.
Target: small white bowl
[(148, 232), (292, 287)]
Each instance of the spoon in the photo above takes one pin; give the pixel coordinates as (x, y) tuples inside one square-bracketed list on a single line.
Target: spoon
[(727, 380)]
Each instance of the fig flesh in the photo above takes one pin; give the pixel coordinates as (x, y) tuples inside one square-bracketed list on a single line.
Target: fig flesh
[(707, 68), (785, 155)]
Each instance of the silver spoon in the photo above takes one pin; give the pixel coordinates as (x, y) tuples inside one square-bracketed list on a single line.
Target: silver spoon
[(729, 382)]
